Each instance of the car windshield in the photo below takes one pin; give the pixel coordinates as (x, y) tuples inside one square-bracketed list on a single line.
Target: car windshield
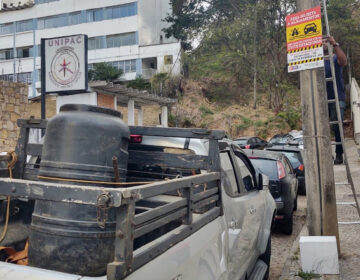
[(294, 158), (280, 140), (266, 166), (300, 140), (241, 141)]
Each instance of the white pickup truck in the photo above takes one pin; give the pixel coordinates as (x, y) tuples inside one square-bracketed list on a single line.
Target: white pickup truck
[(201, 183)]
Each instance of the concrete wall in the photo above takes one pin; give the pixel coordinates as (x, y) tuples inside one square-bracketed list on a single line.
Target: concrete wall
[(13, 105), (355, 108), (151, 24)]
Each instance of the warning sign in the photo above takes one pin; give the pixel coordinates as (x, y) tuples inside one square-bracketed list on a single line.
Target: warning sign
[(304, 40)]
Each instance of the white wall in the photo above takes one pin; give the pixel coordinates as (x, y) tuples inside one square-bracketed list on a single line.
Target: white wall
[(151, 14), (83, 98)]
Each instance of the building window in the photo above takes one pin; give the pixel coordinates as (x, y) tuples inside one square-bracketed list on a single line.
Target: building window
[(25, 78), (119, 40), (96, 43), (94, 15), (52, 22), (75, 18), (121, 11), (6, 54), (25, 25), (168, 59), (6, 28), (127, 66), (24, 52)]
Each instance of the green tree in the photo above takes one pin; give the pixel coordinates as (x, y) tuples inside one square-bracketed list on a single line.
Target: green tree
[(344, 18), (104, 71), (139, 83)]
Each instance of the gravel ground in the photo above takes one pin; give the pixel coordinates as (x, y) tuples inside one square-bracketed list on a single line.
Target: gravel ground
[(281, 244)]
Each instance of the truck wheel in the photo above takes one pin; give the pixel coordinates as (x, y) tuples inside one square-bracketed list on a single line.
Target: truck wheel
[(287, 228), (266, 258)]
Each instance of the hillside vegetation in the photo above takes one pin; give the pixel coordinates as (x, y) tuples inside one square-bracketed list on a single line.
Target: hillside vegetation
[(235, 66)]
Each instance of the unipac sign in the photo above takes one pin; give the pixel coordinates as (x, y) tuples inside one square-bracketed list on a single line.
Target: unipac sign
[(304, 40), (64, 64)]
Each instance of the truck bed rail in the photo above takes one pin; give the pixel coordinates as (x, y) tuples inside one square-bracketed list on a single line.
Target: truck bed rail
[(184, 204)]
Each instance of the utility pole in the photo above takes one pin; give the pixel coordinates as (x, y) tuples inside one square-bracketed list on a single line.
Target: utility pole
[(320, 182)]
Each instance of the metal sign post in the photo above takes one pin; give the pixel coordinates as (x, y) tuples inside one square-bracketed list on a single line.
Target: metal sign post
[(64, 66)]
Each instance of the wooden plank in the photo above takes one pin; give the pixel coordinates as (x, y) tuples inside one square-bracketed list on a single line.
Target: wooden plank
[(207, 201), (160, 222), (124, 240), (146, 191), (32, 123), (87, 195), (178, 132), (159, 211), (34, 149), (206, 194), (31, 174), (168, 160), (150, 251), (21, 152)]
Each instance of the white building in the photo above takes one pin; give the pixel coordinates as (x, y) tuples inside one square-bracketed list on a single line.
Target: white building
[(127, 33)]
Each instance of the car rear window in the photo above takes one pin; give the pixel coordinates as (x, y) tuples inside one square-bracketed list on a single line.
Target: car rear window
[(266, 166), (241, 141), (294, 158)]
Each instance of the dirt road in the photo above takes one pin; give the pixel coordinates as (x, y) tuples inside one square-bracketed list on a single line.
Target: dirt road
[(281, 244)]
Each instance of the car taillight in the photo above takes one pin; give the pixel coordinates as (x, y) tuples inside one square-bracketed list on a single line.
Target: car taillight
[(247, 147), (136, 139), (281, 170), (301, 167)]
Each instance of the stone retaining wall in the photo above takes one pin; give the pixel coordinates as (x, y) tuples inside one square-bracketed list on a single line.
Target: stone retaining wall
[(13, 105)]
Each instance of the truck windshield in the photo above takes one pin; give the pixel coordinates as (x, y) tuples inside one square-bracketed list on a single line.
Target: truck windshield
[(266, 166)]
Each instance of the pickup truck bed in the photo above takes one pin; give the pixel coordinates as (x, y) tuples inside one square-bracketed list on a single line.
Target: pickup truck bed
[(176, 227)]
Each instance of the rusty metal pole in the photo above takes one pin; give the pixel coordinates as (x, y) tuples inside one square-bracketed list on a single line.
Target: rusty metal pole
[(320, 182)]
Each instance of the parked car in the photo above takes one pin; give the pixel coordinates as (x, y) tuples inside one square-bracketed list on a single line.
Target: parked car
[(251, 143), (280, 139), (295, 156), (205, 214), (283, 184)]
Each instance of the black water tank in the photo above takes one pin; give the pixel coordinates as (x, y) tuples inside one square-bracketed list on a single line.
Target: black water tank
[(80, 143)]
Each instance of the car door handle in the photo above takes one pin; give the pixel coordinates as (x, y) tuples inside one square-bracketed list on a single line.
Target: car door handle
[(252, 210)]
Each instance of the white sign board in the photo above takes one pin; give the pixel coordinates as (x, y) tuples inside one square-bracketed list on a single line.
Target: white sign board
[(64, 64)]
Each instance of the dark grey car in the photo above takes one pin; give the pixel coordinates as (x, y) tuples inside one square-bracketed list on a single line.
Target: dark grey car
[(294, 154), (283, 184)]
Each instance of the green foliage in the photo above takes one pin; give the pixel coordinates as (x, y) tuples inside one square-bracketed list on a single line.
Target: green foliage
[(292, 117), (139, 83), (245, 124), (344, 17), (104, 71), (205, 111), (308, 275), (171, 120)]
